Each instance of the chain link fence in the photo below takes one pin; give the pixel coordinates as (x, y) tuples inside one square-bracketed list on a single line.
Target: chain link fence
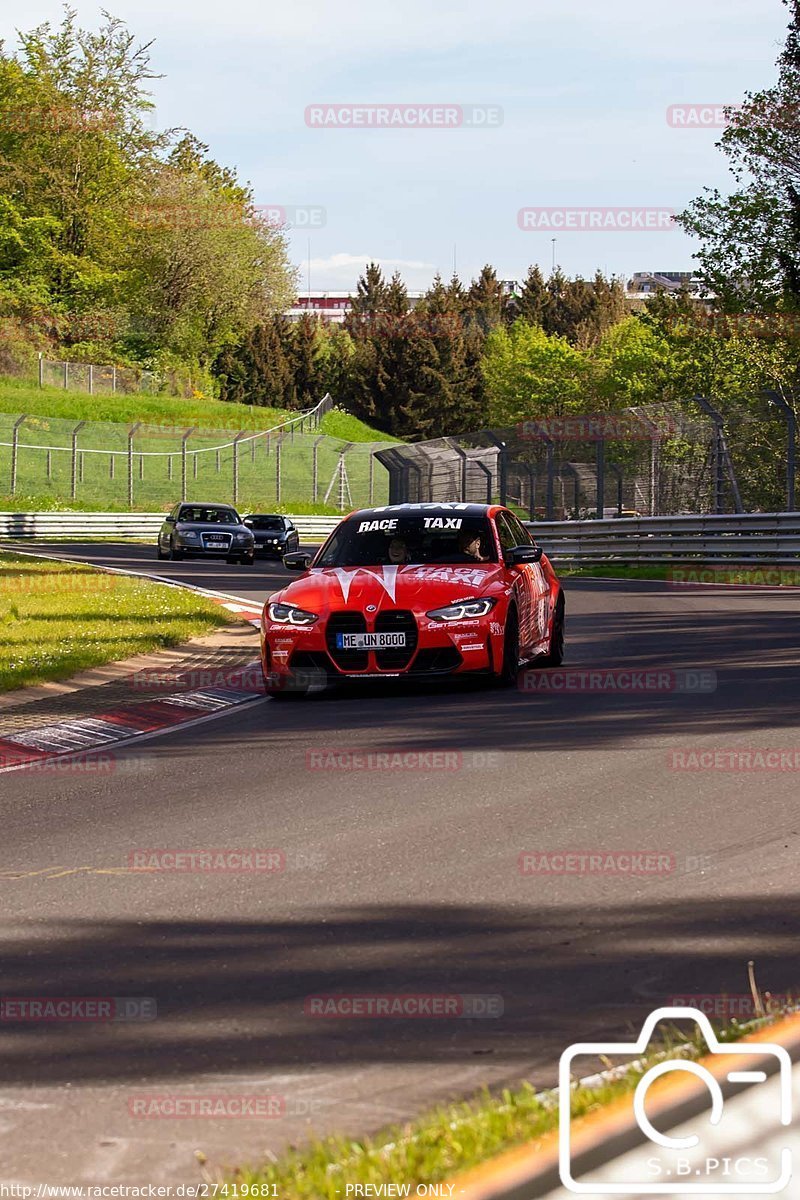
[(652, 460), (103, 465), (98, 379)]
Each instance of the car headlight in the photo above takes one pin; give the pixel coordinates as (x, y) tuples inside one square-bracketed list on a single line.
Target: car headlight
[(244, 537), (190, 534), (463, 610), (287, 614)]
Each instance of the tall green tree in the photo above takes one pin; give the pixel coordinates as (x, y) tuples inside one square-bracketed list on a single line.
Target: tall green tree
[(750, 239)]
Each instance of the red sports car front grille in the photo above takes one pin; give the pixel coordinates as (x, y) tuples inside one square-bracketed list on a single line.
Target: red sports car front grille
[(346, 622), (398, 621)]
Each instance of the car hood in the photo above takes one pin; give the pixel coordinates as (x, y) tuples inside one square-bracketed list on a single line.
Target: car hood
[(210, 527), (419, 588)]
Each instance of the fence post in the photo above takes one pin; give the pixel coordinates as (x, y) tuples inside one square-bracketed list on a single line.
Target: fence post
[(314, 468), (600, 465), (278, 468), (502, 466), (131, 434), (617, 470), (722, 458), (576, 499), (66, 375), (187, 434), (462, 454), (549, 502), (788, 414), (15, 451), (371, 477), (49, 462), (41, 369), (236, 440), (113, 381), (91, 379), (111, 466), (76, 430)]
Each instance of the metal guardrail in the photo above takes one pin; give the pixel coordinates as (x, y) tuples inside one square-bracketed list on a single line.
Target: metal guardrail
[(122, 525), (736, 539), (771, 538)]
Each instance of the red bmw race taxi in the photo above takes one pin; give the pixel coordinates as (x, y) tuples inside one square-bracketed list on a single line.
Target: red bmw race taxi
[(420, 590)]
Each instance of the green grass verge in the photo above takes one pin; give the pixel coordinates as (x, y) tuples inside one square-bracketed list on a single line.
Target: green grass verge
[(614, 572), (58, 619), (450, 1139), (23, 396)]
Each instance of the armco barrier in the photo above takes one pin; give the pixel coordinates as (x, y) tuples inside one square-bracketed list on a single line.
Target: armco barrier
[(765, 538), (122, 525), (743, 538)]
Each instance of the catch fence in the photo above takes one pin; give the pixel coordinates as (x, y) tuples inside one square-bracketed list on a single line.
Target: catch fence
[(143, 465)]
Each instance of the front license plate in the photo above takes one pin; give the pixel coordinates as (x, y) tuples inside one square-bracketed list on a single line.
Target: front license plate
[(370, 641)]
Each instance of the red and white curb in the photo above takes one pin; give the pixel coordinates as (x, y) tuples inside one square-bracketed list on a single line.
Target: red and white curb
[(124, 723), (143, 718)]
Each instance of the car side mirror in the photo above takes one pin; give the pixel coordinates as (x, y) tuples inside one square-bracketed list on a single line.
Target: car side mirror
[(248, 523), (298, 560), (518, 555), (169, 520)]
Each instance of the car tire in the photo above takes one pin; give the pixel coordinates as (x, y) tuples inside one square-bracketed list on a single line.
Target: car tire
[(175, 555), (160, 555), (509, 669), (555, 655), (248, 560)]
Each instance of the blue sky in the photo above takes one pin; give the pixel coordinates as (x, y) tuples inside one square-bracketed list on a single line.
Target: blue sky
[(584, 86)]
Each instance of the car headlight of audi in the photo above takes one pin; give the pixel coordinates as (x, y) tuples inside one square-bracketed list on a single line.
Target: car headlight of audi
[(287, 614), (464, 610), (245, 538)]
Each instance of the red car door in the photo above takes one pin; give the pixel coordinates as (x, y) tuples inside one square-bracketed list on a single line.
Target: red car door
[(530, 585)]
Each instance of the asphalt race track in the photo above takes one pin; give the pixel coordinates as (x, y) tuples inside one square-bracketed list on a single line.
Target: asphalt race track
[(396, 881)]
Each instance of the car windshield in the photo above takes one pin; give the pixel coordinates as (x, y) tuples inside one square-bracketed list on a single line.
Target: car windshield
[(209, 516), (434, 538), (265, 522)]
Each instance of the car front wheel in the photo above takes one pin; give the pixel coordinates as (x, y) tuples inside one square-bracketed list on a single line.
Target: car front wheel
[(175, 555), (555, 655), (510, 666)]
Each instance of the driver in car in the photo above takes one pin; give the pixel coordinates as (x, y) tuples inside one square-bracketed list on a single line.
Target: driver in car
[(469, 544)]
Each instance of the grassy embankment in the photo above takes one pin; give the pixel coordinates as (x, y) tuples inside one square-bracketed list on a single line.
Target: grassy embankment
[(102, 483), (58, 619)]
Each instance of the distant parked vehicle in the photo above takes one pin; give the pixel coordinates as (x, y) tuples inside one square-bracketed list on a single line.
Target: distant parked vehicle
[(206, 531), (275, 535)]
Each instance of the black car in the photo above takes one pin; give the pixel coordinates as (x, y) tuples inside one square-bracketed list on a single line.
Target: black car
[(275, 535), (206, 531)]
